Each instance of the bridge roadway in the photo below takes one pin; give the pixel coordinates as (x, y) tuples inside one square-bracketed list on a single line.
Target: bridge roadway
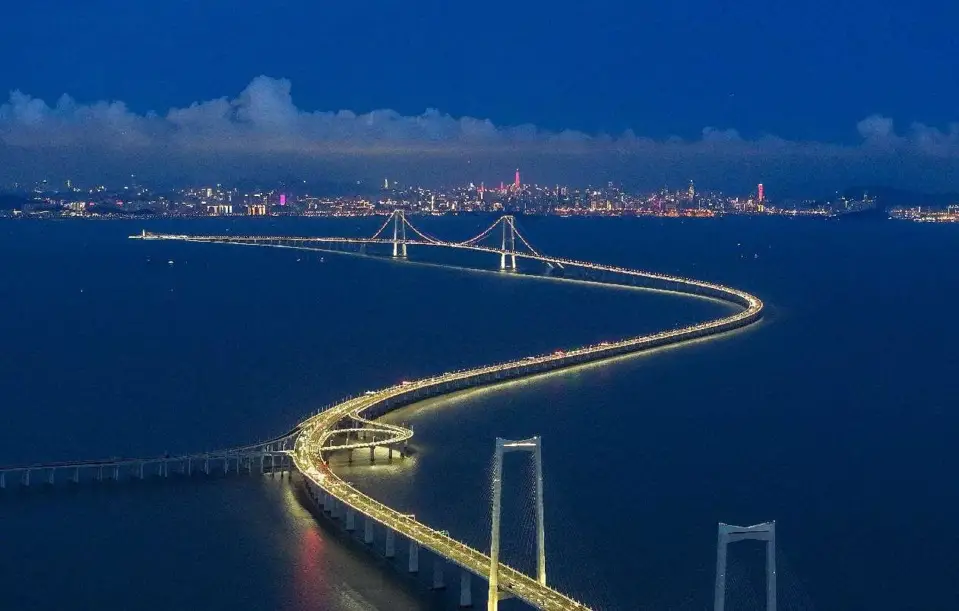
[(317, 434), (275, 449)]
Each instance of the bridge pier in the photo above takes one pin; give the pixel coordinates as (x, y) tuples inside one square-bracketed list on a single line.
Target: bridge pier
[(3, 480), (76, 475), (141, 470), (372, 454), (26, 478), (414, 563), (226, 465), (206, 466), (51, 477), (116, 473), (466, 590), (390, 543), (368, 531), (438, 574), (350, 520)]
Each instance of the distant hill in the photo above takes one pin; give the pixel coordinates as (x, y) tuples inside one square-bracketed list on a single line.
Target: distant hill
[(888, 197)]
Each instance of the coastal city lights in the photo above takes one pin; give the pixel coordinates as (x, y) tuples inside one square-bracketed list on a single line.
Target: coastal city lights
[(68, 199)]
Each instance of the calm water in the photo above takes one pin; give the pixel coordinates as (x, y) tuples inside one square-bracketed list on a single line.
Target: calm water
[(833, 416)]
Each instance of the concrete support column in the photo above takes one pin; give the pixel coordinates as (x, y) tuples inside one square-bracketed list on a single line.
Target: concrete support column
[(350, 520), (368, 531), (141, 470), (52, 476), (438, 574), (189, 466), (466, 592), (76, 475), (372, 454), (390, 448), (116, 473), (100, 473), (226, 464), (26, 478), (206, 466), (3, 480), (414, 564), (390, 543)]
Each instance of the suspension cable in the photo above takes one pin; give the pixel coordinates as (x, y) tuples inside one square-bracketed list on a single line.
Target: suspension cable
[(482, 235), (426, 237), (385, 225)]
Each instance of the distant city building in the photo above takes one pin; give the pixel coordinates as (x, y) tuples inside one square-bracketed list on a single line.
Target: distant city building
[(219, 209)]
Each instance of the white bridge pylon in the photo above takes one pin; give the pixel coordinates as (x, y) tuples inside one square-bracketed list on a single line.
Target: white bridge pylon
[(727, 533), (533, 446)]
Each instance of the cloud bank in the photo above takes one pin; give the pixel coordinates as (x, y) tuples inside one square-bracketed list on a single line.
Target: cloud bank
[(262, 134)]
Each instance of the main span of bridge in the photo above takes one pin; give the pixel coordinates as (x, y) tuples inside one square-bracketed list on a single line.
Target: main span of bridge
[(352, 424)]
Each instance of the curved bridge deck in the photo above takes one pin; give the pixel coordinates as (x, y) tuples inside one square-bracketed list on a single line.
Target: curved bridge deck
[(317, 434)]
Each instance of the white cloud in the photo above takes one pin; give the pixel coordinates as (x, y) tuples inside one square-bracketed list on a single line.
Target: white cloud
[(876, 129), (263, 126)]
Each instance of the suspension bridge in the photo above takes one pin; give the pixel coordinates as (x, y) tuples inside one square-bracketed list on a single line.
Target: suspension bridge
[(351, 424)]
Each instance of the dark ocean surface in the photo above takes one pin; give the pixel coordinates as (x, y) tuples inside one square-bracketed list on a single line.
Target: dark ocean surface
[(835, 416)]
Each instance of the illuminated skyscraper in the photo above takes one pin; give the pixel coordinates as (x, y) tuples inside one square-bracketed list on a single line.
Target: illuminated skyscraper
[(516, 182), (759, 193), (282, 199), (691, 191)]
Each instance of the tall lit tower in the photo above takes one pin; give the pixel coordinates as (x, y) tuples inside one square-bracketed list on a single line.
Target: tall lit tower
[(759, 193), (516, 182)]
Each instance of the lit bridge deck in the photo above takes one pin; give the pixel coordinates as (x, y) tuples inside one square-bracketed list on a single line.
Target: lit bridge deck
[(322, 433)]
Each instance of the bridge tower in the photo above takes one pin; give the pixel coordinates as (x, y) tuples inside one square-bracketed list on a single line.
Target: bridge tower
[(730, 534), (399, 234), (508, 244), (533, 446)]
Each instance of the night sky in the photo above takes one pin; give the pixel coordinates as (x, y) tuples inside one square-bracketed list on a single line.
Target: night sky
[(806, 95)]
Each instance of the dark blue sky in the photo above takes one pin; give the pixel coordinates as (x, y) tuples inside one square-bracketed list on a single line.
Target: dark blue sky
[(803, 71)]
